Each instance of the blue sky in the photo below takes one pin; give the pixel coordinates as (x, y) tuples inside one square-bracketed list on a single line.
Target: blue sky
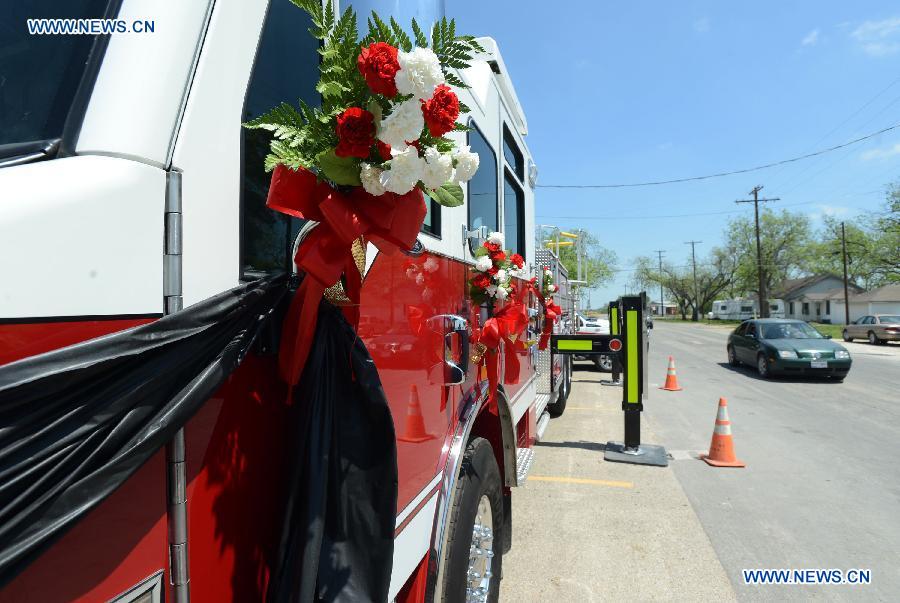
[(637, 91)]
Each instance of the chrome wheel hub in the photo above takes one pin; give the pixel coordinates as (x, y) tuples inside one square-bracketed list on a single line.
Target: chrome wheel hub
[(481, 554)]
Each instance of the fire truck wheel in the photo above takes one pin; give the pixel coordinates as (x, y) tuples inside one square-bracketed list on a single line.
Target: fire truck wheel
[(557, 408), (475, 554)]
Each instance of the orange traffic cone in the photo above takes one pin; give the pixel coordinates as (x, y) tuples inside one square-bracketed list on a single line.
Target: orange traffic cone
[(721, 449), (415, 422), (671, 380)]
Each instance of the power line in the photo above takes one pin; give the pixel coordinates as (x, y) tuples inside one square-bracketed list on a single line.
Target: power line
[(656, 217), (731, 173)]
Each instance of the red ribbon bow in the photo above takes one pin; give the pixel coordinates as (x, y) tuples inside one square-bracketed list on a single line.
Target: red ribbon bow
[(391, 222), (552, 312), (509, 321)]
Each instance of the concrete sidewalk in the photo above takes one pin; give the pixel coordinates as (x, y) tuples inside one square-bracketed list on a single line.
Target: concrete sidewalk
[(589, 530)]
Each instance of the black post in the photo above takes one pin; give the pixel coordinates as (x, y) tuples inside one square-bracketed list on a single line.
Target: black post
[(632, 310)]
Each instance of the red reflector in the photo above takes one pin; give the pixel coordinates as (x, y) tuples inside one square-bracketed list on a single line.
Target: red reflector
[(615, 345)]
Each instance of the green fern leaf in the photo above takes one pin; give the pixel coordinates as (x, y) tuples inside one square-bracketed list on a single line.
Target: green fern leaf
[(421, 38)]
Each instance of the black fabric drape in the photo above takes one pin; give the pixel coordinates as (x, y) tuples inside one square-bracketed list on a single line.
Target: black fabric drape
[(77, 422), (338, 533)]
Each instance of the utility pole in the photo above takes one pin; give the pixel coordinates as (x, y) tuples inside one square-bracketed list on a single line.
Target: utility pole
[(660, 253), (763, 301), (693, 245), (846, 292)]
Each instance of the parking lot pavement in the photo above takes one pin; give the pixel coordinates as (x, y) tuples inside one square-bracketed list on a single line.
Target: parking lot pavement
[(589, 530)]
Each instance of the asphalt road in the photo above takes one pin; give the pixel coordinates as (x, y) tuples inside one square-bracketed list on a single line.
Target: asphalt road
[(822, 485)]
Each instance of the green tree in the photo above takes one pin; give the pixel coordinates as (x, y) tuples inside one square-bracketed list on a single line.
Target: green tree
[(885, 231), (785, 244), (714, 275), (598, 265)]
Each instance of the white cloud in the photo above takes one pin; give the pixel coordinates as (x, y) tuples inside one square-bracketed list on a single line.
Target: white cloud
[(834, 210), (701, 25), (811, 38), (879, 38), (873, 154)]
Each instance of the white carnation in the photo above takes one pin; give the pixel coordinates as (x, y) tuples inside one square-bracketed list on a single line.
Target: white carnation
[(552, 288), (496, 237), (371, 179), (491, 290), (502, 276), (438, 168), (431, 265), (484, 263), (466, 164), (404, 124), (502, 293), (419, 74), (406, 170), (548, 271)]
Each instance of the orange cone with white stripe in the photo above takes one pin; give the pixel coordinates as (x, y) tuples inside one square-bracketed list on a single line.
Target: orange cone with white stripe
[(415, 423), (671, 379), (721, 449)]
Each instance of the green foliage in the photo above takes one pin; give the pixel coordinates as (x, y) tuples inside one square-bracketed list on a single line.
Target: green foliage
[(449, 194), (304, 136), (340, 170), (598, 263)]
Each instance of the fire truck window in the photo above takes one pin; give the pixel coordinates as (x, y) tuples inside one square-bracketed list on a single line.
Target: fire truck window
[(267, 236), (513, 214), (432, 223), (40, 73), (512, 154), (483, 185)]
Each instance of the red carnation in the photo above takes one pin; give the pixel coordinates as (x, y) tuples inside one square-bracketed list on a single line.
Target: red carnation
[(482, 281), (518, 260), (493, 270), (441, 111), (491, 247), (384, 150), (356, 133), (378, 65), (498, 256)]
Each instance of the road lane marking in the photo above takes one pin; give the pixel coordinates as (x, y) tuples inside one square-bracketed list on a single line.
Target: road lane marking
[(580, 480)]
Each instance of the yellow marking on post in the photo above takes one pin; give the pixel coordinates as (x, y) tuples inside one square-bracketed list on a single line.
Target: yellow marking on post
[(631, 349), (580, 345), (580, 480), (614, 323)]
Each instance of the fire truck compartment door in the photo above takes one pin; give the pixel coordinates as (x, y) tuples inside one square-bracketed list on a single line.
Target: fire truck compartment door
[(81, 236)]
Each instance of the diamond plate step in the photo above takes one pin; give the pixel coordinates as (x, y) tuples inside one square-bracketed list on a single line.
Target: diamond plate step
[(524, 460)]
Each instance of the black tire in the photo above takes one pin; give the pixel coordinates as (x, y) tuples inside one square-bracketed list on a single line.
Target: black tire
[(557, 408), (732, 358), (846, 336), (762, 366), (873, 338), (479, 477)]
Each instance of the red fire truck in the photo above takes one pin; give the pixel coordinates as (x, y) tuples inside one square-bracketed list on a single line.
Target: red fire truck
[(129, 190)]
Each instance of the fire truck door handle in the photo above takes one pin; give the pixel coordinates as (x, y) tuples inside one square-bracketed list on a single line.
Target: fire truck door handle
[(450, 371), (463, 333)]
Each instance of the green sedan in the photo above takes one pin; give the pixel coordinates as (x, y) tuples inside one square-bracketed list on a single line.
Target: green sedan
[(787, 347)]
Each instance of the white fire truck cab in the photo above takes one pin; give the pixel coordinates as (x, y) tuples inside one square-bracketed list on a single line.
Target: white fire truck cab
[(129, 190)]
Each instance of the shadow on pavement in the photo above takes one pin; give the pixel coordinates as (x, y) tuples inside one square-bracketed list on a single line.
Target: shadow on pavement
[(751, 373), (593, 446)]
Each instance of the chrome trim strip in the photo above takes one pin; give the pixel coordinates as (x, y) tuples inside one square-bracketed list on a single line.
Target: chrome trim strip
[(469, 409)]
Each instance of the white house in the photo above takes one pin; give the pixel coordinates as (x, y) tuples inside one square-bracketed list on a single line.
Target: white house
[(884, 300), (814, 298)]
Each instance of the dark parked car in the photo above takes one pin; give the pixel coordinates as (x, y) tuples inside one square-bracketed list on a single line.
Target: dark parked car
[(787, 347)]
